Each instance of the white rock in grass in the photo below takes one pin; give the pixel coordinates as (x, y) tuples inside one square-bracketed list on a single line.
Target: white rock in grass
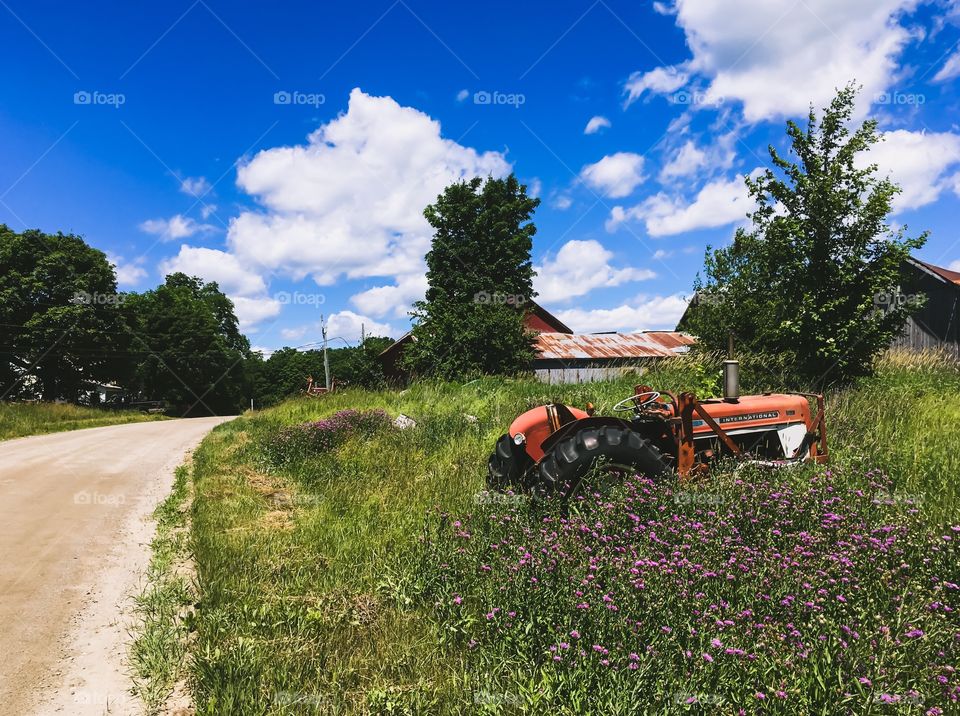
[(404, 421), (472, 418)]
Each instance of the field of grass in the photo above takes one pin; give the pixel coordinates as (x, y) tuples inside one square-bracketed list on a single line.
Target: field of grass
[(22, 419), (376, 576)]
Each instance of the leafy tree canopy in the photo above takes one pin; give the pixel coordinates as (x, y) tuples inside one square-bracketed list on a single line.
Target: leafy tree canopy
[(194, 355), (806, 283), (60, 322), (479, 277)]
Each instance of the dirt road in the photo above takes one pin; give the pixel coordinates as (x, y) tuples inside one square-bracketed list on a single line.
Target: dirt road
[(74, 537)]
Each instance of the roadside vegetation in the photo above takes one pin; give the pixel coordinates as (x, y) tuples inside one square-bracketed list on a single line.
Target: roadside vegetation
[(158, 653), (22, 419), (366, 570)]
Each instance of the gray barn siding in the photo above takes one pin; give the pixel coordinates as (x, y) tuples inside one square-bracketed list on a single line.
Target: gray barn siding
[(552, 373), (937, 323)]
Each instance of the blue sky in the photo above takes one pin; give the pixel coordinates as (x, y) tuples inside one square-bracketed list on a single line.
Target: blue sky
[(287, 151)]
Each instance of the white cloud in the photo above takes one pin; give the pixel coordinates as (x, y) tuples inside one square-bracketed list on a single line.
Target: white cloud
[(176, 227), (950, 69), (347, 325), (534, 187), (777, 56), (718, 203), (562, 202), (292, 334), (350, 201), (660, 80), (616, 175), (347, 203), (246, 288), (195, 186), (663, 8), (128, 273), (207, 209), (917, 161), (395, 300), (954, 265), (643, 314), (596, 124), (216, 265), (251, 311), (689, 160), (578, 268)]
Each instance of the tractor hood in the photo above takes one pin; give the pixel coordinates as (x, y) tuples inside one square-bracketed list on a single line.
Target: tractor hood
[(755, 411)]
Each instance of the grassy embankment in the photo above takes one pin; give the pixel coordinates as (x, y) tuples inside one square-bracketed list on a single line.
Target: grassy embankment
[(344, 582), (22, 419)]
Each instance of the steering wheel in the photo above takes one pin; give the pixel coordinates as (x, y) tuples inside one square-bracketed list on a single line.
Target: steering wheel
[(637, 402)]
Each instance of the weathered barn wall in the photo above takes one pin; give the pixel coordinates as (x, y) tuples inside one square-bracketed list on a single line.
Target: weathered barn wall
[(937, 323), (585, 374)]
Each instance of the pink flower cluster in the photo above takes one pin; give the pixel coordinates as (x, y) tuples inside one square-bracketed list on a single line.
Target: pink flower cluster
[(744, 595)]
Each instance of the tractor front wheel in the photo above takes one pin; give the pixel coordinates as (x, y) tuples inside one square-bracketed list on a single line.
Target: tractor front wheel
[(596, 457), (507, 465)]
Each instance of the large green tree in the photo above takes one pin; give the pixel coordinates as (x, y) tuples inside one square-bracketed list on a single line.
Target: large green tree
[(480, 281), (60, 325), (192, 352), (809, 283)]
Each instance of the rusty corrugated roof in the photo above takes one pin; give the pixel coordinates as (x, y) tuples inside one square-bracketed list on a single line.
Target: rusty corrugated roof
[(601, 346), (945, 274)]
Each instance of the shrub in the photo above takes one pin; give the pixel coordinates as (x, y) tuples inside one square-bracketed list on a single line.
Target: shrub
[(297, 442)]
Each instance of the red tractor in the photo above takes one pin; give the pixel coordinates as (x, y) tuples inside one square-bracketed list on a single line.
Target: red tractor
[(553, 448)]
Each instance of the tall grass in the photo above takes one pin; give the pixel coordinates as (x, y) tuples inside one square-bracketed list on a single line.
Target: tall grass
[(21, 419), (905, 421), (315, 593)]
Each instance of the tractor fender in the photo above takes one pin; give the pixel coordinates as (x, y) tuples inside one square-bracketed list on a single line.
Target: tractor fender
[(569, 429), (540, 423)]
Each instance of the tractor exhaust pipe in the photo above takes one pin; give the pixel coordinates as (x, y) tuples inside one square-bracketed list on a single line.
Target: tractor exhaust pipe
[(731, 375)]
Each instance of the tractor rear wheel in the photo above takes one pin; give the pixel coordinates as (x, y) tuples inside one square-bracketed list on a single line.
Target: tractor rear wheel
[(614, 452), (507, 465)]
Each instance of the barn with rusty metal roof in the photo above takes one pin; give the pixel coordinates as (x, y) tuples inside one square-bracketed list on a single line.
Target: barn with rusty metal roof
[(567, 357), (584, 357)]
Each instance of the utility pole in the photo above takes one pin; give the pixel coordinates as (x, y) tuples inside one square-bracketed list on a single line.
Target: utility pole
[(326, 359)]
